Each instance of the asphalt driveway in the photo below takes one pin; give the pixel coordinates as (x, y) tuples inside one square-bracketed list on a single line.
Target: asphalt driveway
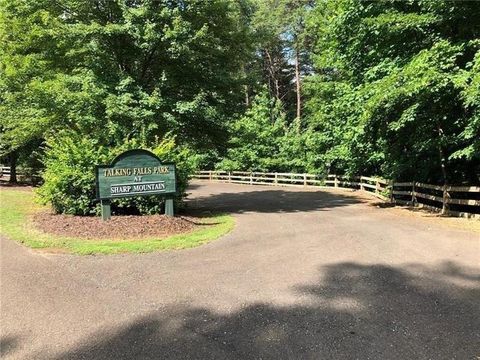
[(304, 275)]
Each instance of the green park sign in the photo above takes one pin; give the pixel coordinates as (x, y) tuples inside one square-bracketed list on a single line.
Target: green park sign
[(135, 173)]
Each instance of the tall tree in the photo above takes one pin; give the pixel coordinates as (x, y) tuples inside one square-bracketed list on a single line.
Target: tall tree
[(295, 24), (280, 25)]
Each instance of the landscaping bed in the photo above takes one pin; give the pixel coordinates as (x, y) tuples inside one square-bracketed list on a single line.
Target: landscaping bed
[(23, 220), (118, 227)]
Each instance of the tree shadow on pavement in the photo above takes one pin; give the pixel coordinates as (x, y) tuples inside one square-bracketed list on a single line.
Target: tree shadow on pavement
[(354, 311), (271, 201), (8, 344)]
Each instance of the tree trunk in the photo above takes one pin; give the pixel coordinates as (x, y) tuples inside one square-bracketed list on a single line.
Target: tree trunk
[(443, 164), (441, 153), (277, 89), (297, 78), (13, 167), (245, 87), (272, 71)]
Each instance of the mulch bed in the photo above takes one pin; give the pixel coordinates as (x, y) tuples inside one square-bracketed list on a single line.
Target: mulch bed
[(118, 227)]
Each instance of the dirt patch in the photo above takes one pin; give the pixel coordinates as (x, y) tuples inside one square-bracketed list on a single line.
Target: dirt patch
[(118, 227), (435, 218)]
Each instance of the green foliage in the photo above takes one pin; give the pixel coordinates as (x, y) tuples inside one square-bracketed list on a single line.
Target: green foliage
[(388, 88), (255, 137), (119, 67), (281, 41), (470, 136), (262, 140), (69, 175), (89, 79), (395, 92)]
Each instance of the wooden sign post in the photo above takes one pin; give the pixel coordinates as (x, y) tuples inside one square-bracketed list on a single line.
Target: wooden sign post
[(135, 173)]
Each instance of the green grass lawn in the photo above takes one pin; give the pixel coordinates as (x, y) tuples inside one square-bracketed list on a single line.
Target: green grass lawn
[(17, 206)]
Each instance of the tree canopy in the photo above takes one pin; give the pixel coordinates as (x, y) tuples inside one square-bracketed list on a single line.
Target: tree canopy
[(392, 94), (117, 70)]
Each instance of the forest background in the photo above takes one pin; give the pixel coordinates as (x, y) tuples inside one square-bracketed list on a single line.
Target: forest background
[(384, 88)]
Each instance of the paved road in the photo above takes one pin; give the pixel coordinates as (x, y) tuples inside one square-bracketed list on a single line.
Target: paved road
[(304, 275)]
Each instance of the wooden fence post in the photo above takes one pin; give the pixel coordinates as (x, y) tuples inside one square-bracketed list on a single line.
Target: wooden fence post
[(392, 197), (210, 175), (229, 176), (361, 183), (251, 178), (377, 187), (445, 198), (335, 181), (276, 178), (304, 179), (414, 198)]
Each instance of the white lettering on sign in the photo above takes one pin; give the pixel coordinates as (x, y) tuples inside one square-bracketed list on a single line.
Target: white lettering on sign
[(120, 189), (136, 188)]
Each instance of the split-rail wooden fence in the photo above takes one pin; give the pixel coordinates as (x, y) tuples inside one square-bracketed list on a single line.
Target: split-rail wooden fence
[(461, 201), (23, 174), (4, 171), (450, 200)]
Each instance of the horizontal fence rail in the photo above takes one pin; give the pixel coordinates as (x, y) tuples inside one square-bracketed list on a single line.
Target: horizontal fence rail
[(464, 199), (4, 171)]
